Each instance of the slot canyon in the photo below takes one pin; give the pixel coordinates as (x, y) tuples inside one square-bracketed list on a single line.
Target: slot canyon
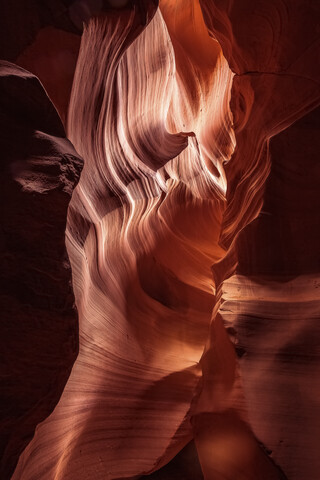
[(160, 240)]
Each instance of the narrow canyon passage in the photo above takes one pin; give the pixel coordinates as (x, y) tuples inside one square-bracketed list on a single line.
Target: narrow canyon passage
[(192, 236)]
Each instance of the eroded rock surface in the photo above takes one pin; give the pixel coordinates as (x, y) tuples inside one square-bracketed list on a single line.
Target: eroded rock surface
[(180, 113), (39, 327)]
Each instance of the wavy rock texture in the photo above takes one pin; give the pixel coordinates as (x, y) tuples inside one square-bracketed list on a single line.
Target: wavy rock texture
[(276, 325), (141, 239), (271, 90), (272, 307), (39, 327), (175, 112)]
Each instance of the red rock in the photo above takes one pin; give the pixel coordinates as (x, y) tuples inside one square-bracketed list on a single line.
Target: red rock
[(194, 269), (39, 328)]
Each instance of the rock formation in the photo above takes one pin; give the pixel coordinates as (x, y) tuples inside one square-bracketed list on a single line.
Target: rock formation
[(39, 327), (193, 240)]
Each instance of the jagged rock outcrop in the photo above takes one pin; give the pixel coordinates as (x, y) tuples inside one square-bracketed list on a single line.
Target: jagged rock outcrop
[(39, 326)]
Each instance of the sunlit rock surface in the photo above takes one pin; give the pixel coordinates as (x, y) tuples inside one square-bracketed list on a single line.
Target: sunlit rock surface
[(180, 114)]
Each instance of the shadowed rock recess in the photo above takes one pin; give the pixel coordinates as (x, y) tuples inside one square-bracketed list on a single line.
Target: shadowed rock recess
[(169, 151)]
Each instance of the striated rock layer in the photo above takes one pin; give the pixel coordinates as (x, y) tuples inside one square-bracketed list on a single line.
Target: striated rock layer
[(270, 92), (276, 329), (175, 112)]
